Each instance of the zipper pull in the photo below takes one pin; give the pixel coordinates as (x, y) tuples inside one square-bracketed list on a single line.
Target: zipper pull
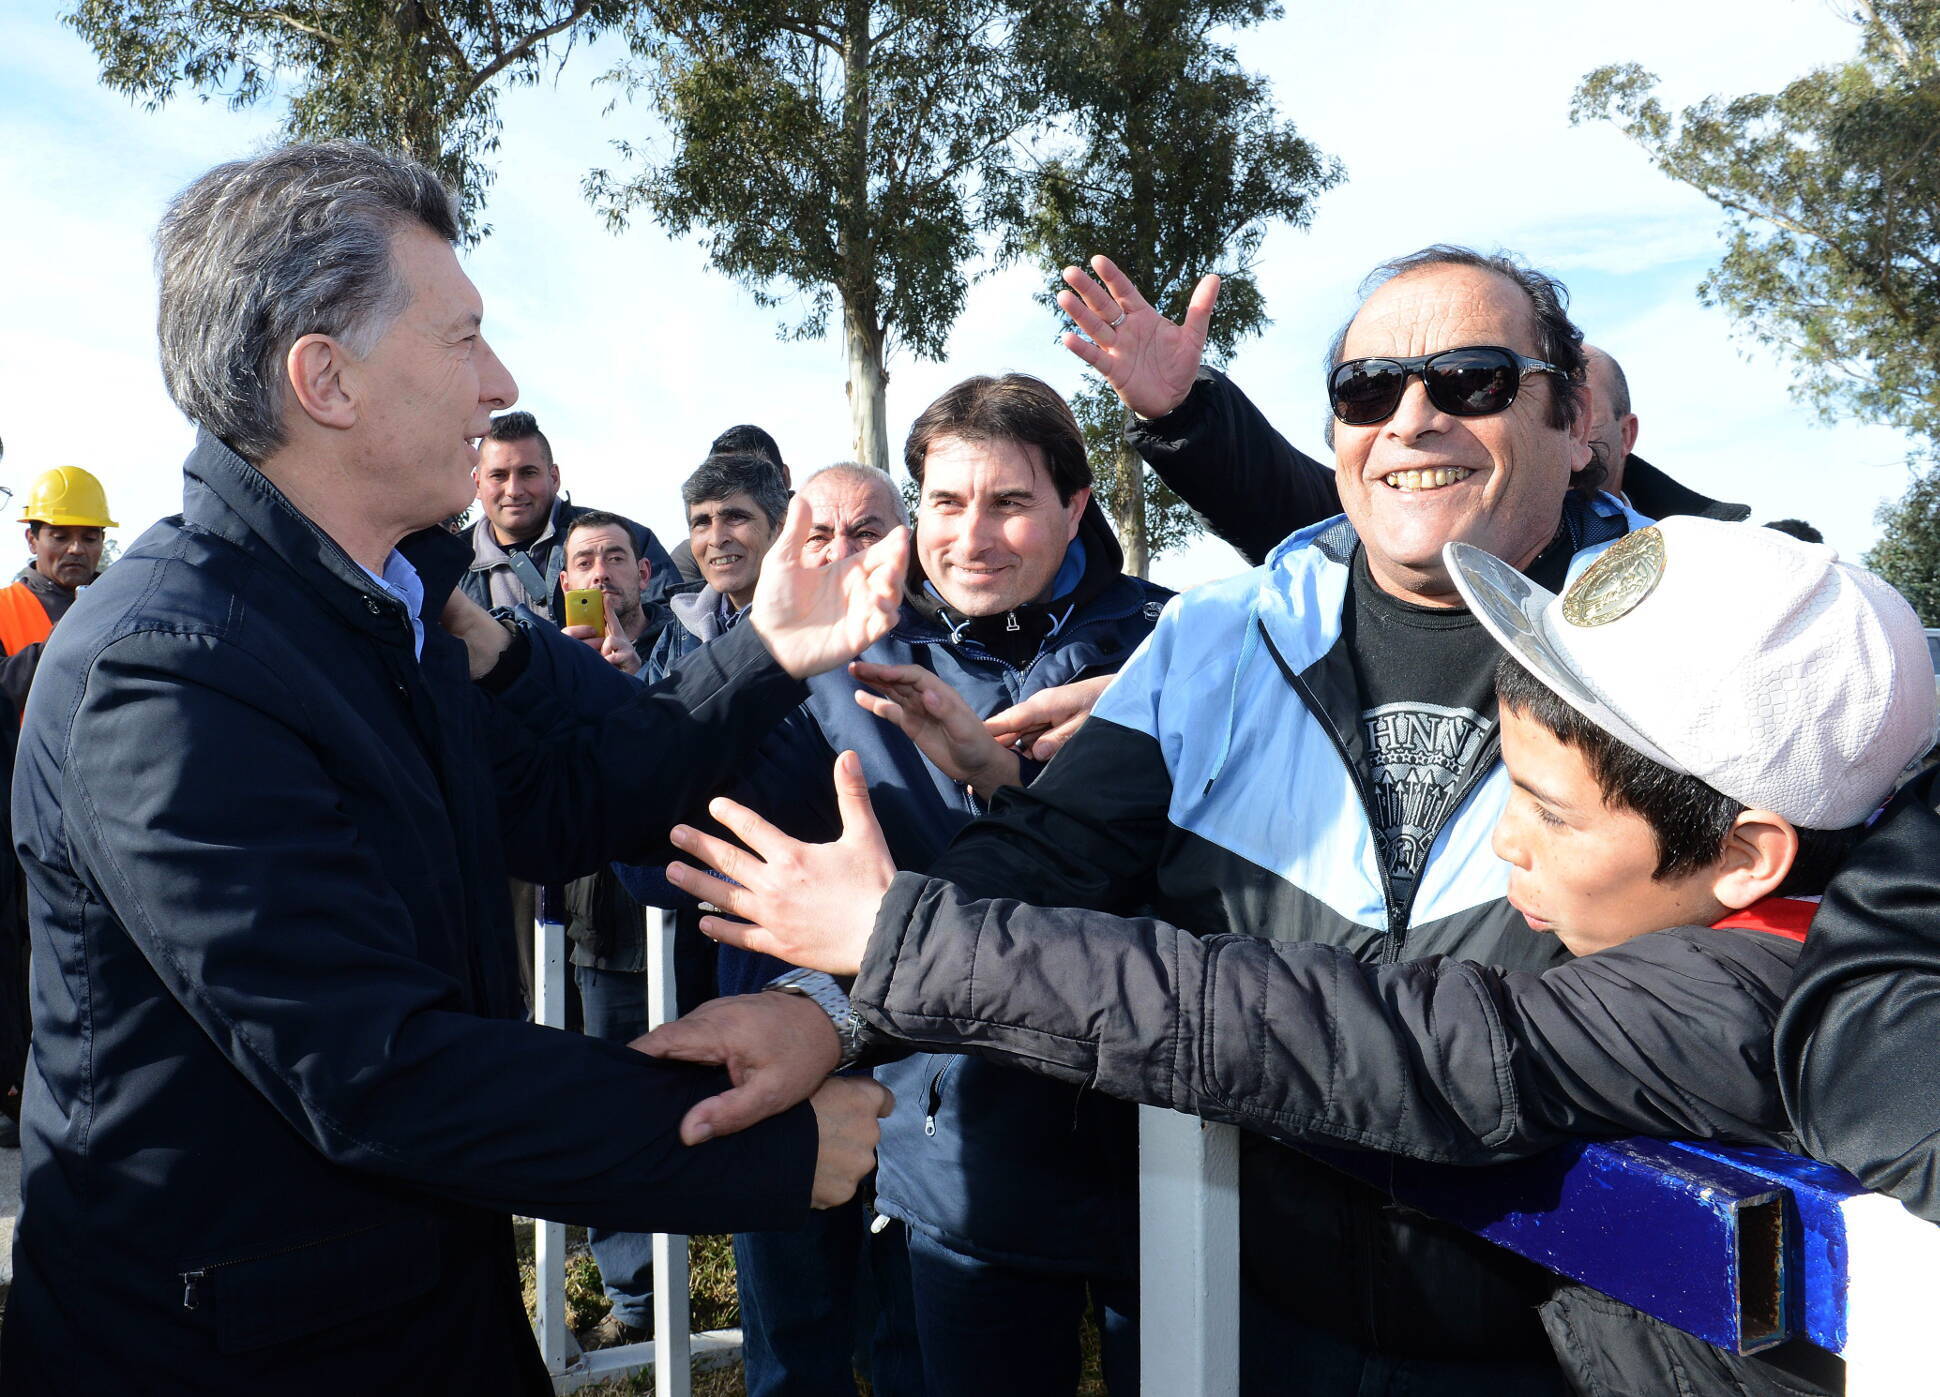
[(191, 1282), (1010, 621), (929, 1124), (878, 1224)]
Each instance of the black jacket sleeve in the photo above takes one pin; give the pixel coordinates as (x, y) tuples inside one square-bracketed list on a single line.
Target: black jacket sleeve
[(1221, 456), (1856, 1044), (619, 763), (1438, 1059)]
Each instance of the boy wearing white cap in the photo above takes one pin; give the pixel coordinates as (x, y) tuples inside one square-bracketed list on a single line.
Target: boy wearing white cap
[(1694, 731)]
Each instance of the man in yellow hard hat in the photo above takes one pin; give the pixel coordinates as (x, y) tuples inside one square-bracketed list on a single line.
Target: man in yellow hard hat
[(67, 522)]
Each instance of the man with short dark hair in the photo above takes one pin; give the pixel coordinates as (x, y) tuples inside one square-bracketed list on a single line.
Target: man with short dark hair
[(734, 506), (515, 542), (282, 1101), (744, 440), (1016, 1192)]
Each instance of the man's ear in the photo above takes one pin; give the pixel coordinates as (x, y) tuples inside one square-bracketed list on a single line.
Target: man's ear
[(1757, 859), (314, 369), (1627, 433), (646, 572), (1075, 511), (1580, 428)]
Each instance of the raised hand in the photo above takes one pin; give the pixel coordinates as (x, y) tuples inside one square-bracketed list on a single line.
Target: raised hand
[(613, 646), (1044, 722), (935, 717), (846, 1112), (813, 618), (812, 905), (1149, 361), (777, 1049)]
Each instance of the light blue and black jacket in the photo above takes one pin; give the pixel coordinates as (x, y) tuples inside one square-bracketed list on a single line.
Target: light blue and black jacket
[(1218, 786)]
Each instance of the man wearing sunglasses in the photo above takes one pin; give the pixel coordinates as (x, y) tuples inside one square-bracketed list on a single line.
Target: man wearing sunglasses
[(1208, 441)]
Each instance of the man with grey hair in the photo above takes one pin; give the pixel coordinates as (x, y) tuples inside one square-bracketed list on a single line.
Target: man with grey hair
[(282, 1100)]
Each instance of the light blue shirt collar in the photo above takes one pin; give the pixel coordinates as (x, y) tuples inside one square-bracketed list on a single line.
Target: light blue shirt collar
[(401, 580)]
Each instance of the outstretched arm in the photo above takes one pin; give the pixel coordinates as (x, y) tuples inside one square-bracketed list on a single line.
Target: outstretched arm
[(1197, 432)]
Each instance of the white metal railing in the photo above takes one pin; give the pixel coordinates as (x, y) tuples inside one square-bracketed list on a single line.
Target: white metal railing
[(672, 1361)]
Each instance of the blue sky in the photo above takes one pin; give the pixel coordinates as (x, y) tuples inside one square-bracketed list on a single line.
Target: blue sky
[(633, 355)]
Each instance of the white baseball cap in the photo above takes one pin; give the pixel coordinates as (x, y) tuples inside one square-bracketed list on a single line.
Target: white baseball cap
[(1762, 665)]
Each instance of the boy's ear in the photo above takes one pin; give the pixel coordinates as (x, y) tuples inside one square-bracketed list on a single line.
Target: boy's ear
[(1757, 858)]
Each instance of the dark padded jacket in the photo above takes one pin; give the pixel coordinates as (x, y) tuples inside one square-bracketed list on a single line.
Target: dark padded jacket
[(1221, 456), (1859, 1043), (282, 1096), (1437, 1059)]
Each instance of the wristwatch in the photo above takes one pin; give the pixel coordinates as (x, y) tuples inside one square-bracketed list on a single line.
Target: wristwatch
[(830, 999)]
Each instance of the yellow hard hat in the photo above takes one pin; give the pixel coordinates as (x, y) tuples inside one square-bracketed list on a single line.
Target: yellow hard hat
[(67, 497)]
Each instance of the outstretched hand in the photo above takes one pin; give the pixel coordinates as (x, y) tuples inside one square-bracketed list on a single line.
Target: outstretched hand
[(1149, 361), (812, 905), (1045, 721), (813, 618), (943, 726)]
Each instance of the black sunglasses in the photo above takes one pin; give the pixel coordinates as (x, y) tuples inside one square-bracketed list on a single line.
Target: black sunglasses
[(1473, 381)]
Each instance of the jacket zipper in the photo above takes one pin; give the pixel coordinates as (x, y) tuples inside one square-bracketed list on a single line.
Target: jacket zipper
[(934, 1104), (192, 1280), (1397, 915)]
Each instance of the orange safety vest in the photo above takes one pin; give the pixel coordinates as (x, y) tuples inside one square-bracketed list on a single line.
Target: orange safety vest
[(23, 620)]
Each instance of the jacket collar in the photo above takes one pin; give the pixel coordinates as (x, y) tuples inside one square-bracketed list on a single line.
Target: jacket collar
[(224, 495)]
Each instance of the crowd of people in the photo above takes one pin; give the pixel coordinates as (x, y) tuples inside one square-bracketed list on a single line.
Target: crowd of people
[(1513, 793)]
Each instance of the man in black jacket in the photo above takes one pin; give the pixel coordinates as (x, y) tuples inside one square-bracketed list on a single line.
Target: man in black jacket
[(282, 1099)]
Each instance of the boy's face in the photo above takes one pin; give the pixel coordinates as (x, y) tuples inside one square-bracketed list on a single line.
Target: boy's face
[(1581, 868)]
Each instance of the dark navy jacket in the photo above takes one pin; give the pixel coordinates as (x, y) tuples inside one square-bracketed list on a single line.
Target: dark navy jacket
[(281, 1096), (996, 1162)]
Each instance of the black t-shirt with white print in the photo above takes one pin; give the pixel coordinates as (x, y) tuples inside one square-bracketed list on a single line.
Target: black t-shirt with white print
[(1426, 678)]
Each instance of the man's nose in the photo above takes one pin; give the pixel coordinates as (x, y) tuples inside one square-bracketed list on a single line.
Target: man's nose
[(1416, 414), (495, 385)]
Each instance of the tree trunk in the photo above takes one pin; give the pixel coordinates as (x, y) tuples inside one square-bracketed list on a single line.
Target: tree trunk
[(868, 406), (1128, 508), (862, 331)]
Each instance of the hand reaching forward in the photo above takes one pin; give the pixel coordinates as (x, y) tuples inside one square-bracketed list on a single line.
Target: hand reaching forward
[(777, 1049), (814, 618), (812, 905), (1044, 722), (846, 1112), (1149, 361), (935, 717)]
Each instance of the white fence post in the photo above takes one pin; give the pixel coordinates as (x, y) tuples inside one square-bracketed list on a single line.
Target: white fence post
[(1188, 1256), (1892, 1258), (672, 1307), (556, 1346)]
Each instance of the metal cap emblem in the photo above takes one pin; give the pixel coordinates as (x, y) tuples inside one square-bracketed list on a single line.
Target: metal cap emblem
[(1615, 583)]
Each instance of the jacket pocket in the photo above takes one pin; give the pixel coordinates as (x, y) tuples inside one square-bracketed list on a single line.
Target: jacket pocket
[(314, 1284)]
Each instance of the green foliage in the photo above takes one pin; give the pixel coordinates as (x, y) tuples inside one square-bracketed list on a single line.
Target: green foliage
[(1831, 192), (1167, 156), (1908, 552), (828, 150), (413, 75)]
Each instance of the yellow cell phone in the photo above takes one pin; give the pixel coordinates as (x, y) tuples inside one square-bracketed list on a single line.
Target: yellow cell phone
[(586, 606)]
